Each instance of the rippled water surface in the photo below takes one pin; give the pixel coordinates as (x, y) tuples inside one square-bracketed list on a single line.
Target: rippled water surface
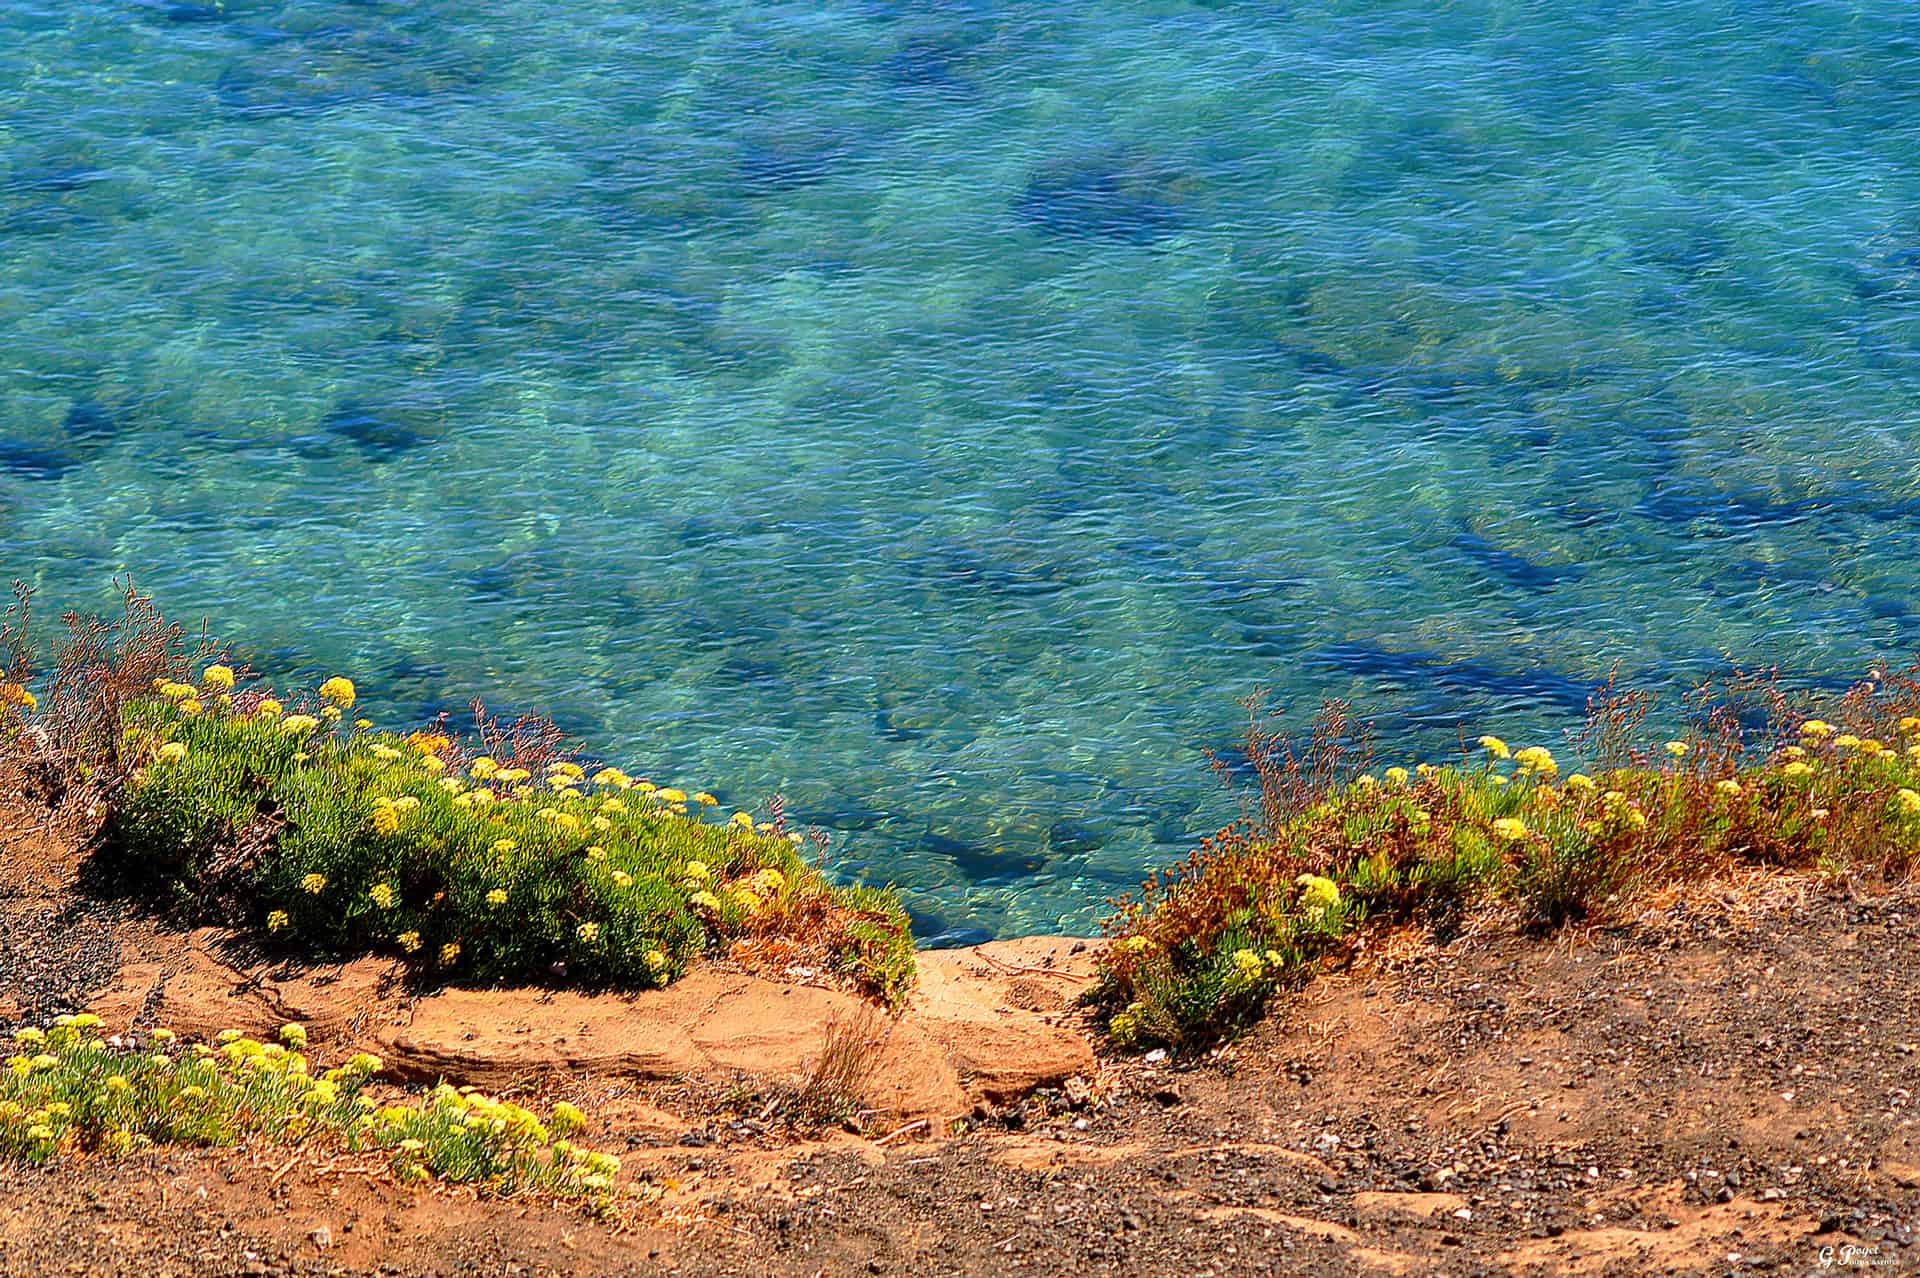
[(942, 412)]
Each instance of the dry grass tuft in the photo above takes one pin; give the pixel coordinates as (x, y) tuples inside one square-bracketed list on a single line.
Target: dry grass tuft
[(837, 1087)]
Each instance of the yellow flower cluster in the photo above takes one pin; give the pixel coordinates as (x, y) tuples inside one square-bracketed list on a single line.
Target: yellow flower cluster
[(439, 806), (1318, 893), (1538, 761)]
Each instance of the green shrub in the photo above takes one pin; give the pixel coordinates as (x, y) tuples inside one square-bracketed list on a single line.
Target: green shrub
[(336, 839), (1201, 949)]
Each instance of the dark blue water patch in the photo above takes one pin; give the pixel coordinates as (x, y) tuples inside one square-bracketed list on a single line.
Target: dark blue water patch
[(1070, 838), (248, 91), (777, 164), (37, 461), (407, 666), (845, 815), (1511, 567), (496, 582), (209, 13), (1889, 274), (87, 428), (956, 938), (1746, 577), (928, 70), (55, 179), (234, 15), (1686, 248), (890, 724), (67, 190), (748, 670), (702, 532), (1121, 195), (982, 864), (933, 932), (325, 65), (1427, 149), (1387, 668), (382, 432), (964, 569), (88, 420), (1708, 508)]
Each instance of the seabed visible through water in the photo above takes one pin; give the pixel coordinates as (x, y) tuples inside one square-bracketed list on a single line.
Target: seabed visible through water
[(941, 413)]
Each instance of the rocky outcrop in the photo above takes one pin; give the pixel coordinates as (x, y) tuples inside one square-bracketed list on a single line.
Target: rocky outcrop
[(986, 1024)]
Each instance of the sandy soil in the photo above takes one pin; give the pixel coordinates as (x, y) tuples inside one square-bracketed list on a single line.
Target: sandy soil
[(1725, 1087)]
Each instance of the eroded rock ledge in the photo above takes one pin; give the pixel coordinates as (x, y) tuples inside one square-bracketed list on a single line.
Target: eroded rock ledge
[(987, 1023)]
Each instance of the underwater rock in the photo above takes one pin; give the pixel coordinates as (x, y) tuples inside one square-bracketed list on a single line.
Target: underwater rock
[(1688, 250), (331, 64), (1683, 502), (982, 864), (887, 726), (249, 92), (960, 567), (85, 431), (928, 69), (381, 433), (1072, 838), (36, 461), (775, 164), (66, 189), (195, 13), (1430, 670), (844, 814), (1108, 195), (89, 420), (955, 938), (747, 671), (1515, 569)]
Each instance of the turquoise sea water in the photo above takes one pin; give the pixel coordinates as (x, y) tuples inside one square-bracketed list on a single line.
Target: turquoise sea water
[(941, 413)]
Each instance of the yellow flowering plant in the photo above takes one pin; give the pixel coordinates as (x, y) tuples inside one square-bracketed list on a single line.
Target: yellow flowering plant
[(78, 1092), (526, 865), (1755, 780)]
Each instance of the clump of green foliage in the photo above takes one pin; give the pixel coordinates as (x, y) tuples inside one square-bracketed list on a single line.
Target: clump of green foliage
[(492, 857), (341, 840), (1331, 852), (69, 1089)]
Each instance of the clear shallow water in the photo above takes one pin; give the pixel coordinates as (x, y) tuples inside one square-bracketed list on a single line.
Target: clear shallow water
[(941, 413)]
